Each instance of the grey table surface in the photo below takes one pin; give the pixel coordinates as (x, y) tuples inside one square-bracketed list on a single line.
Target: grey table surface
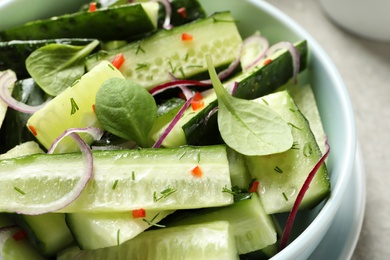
[(364, 66)]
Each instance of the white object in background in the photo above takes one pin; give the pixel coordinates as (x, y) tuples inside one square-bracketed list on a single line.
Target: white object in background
[(366, 18)]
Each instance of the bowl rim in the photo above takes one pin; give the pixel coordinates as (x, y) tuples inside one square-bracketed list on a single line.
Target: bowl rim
[(325, 217)]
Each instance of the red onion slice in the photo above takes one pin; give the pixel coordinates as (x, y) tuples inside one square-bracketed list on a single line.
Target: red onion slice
[(168, 13), (294, 55), (96, 133), (177, 83), (260, 40), (77, 189), (84, 178), (301, 194), (172, 124), (7, 80)]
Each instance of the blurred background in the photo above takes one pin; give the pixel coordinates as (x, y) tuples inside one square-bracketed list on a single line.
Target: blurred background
[(364, 66)]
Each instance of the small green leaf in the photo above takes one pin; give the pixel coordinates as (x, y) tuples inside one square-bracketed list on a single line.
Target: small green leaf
[(126, 109), (249, 127), (56, 66)]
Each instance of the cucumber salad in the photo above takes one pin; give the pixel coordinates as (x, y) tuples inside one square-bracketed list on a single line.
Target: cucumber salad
[(152, 130)]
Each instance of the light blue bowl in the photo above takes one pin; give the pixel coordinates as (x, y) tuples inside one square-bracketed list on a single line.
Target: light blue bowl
[(334, 105), (331, 95)]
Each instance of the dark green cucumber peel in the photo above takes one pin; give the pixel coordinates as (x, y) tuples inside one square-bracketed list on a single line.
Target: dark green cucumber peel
[(193, 11), (115, 23), (14, 131), (14, 53), (48, 242), (203, 128)]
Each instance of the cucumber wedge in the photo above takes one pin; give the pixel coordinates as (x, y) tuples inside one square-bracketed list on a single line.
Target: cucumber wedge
[(12, 249), (116, 23), (281, 175), (150, 61), (74, 107), (48, 233), (23, 149), (252, 228), (98, 230), (200, 127), (123, 180), (211, 240)]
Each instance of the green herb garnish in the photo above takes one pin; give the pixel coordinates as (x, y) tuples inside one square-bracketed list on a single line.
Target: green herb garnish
[(249, 127)]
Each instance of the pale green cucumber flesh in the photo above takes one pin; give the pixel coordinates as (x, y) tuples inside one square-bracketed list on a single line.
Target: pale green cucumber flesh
[(305, 100), (158, 179), (239, 173), (99, 230), (18, 249), (211, 240), (47, 232), (282, 175), (252, 228), (150, 61), (26, 148), (73, 108)]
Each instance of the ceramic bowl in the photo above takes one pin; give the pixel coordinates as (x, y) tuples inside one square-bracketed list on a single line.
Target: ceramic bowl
[(330, 92), (335, 110)]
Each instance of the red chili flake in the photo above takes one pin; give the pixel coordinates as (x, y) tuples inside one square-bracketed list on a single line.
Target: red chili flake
[(197, 105), (183, 12), (197, 101), (138, 213), (197, 171), (186, 37), (268, 61), (92, 7), (19, 235), (198, 96), (94, 108), (254, 186), (118, 60), (33, 130)]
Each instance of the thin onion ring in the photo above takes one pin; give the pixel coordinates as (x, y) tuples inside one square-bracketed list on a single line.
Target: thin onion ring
[(7, 80)]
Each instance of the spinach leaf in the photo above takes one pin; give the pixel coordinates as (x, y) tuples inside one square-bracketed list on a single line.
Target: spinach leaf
[(126, 109), (249, 127), (54, 67)]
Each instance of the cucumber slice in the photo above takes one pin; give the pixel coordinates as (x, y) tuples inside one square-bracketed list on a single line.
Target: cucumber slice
[(200, 127), (98, 230), (69, 253), (23, 149), (72, 108), (12, 249), (150, 61), (48, 233), (305, 100), (252, 228), (239, 173), (282, 175), (152, 179), (117, 23), (211, 240)]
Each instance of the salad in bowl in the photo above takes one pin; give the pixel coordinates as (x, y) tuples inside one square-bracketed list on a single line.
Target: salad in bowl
[(169, 129)]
